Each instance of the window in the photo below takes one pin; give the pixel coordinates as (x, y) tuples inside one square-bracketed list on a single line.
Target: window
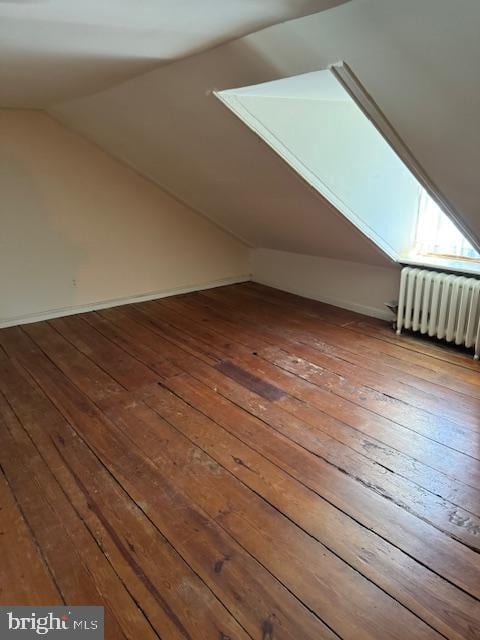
[(341, 144), (436, 235), (315, 126)]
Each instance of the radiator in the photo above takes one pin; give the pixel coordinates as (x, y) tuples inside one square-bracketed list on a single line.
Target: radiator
[(440, 304)]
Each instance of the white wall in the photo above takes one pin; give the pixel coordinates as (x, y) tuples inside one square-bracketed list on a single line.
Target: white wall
[(350, 285), (80, 229)]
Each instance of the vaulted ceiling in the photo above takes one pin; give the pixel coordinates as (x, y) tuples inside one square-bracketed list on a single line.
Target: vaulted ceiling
[(418, 59), (52, 50)]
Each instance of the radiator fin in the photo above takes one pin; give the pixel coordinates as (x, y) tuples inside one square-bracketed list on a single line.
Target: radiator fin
[(440, 304)]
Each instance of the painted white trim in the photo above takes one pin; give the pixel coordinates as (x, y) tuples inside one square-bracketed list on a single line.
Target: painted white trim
[(445, 264), (374, 312), (117, 302)]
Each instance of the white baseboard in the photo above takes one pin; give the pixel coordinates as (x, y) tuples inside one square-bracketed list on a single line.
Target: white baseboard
[(374, 312), (116, 302)]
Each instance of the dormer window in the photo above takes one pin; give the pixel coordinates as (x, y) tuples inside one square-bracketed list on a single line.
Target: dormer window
[(329, 130)]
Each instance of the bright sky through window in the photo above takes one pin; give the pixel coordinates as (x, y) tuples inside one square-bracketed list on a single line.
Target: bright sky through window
[(437, 235)]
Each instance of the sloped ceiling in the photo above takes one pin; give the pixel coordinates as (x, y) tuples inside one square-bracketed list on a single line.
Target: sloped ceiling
[(418, 58), (53, 50), (175, 131)]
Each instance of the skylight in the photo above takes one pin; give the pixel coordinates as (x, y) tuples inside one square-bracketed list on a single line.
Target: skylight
[(314, 124)]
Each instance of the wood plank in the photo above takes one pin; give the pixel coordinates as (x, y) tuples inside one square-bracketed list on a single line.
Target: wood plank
[(353, 415), (241, 463), (408, 467), (80, 570), (272, 329), (383, 564), (392, 404), (406, 531), (320, 579), (369, 342), (24, 575), (377, 449), (383, 517), (411, 389), (325, 338), (177, 603), (371, 326), (127, 371), (379, 332), (437, 513), (349, 412), (256, 599), (462, 438), (217, 492)]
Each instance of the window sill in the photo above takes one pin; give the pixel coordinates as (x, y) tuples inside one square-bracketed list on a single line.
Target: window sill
[(444, 264)]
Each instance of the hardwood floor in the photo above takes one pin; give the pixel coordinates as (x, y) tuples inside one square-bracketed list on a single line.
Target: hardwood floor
[(241, 463)]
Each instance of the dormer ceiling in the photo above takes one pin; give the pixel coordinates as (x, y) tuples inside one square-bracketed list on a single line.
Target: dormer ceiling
[(51, 50)]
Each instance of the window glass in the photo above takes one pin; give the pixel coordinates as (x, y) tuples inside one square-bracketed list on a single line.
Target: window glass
[(436, 233)]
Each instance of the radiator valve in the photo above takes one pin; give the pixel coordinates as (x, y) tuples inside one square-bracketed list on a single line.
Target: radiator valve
[(393, 306)]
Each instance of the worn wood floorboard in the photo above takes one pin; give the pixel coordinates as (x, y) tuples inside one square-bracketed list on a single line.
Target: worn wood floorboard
[(412, 444), (438, 358), (24, 574), (285, 422), (241, 463)]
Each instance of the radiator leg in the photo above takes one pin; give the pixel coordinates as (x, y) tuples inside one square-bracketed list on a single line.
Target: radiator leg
[(398, 332), (476, 357)]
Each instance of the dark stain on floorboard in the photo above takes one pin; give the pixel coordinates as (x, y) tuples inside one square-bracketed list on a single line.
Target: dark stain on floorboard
[(250, 381)]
